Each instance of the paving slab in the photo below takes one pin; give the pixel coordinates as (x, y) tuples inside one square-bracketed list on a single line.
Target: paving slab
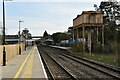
[(13, 65), (26, 65)]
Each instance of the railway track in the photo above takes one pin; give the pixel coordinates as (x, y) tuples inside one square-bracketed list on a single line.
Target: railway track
[(116, 69), (97, 68), (114, 72), (54, 69)]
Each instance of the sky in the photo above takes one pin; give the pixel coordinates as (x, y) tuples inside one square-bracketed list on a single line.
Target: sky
[(40, 15)]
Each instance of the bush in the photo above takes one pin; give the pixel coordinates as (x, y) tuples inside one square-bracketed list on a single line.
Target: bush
[(107, 49), (111, 48), (77, 47)]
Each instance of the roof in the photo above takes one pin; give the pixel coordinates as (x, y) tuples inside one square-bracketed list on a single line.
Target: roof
[(89, 12), (49, 40), (11, 36), (92, 12), (42, 39), (30, 40), (11, 40)]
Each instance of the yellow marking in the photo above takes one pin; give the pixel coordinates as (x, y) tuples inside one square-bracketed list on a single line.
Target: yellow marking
[(20, 69), (28, 70)]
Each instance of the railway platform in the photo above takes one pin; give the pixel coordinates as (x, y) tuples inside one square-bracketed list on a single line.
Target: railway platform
[(62, 48), (66, 48), (27, 65)]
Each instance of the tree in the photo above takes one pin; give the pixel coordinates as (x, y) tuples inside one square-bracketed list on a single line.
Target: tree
[(111, 9), (70, 32), (26, 34), (45, 35), (59, 36)]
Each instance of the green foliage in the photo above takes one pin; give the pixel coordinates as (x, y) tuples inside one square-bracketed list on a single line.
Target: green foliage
[(59, 36), (109, 54), (111, 11), (26, 34), (77, 47), (111, 59), (98, 48), (70, 32), (45, 35)]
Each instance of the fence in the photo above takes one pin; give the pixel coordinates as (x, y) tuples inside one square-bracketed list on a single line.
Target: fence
[(1, 56), (11, 51)]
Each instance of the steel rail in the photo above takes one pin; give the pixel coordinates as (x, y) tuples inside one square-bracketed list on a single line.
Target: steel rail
[(71, 75), (93, 64), (46, 66), (93, 67)]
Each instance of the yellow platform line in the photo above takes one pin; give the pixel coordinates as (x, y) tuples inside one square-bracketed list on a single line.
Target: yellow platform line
[(28, 69), (21, 67)]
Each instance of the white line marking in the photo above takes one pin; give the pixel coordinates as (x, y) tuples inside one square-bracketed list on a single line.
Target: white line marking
[(42, 64)]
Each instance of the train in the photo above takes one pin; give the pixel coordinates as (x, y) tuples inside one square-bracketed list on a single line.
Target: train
[(68, 42)]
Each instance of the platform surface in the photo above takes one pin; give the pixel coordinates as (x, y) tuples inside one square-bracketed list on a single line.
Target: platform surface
[(61, 47), (27, 65)]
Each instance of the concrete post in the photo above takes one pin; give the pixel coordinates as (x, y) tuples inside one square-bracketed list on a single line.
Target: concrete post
[(97, 35), (83, 39), (89, 40), (77, 34), (73, 35), (103, 36)]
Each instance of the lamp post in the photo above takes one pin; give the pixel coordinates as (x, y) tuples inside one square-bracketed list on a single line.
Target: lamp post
[(3, 40), (25, 37), (19, 38)]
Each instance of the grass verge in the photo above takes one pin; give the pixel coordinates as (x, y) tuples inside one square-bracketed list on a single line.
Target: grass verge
[(111, 59)]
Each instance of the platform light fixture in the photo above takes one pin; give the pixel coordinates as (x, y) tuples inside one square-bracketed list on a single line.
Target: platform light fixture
[(3, 39), (19, 35)]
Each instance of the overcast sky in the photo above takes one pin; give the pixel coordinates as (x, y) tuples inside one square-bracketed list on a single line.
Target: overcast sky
[(40, 15)]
